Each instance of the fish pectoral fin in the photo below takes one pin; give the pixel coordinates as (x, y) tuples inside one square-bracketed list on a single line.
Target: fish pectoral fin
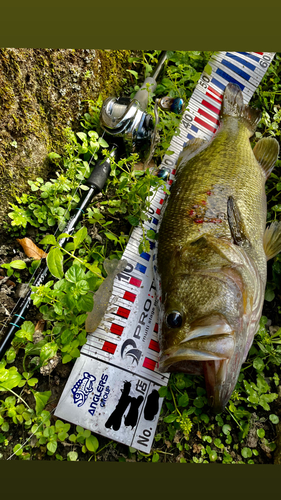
[(192, 148), (103, 294), (236, 224), (114, 266), (266, 152), (272, 240)]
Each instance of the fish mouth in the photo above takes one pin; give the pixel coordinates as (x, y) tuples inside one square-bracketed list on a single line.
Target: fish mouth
[(206, 350)]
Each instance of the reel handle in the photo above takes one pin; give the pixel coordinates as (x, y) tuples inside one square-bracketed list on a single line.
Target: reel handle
[(142, 95)]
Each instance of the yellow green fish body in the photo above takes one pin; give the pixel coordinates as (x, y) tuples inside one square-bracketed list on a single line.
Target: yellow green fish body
[(212, 252)]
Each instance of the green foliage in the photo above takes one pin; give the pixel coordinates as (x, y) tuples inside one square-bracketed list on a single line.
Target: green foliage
[(15, 264), (187, 429), (130, 191), (58, 196)]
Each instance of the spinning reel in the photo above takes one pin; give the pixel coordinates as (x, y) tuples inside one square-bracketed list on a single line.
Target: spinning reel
[(127, 118)]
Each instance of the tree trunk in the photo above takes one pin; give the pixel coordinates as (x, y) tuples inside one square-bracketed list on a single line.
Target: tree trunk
[(43, 91)]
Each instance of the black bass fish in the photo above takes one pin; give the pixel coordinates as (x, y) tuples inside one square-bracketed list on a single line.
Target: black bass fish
[(212, 252)]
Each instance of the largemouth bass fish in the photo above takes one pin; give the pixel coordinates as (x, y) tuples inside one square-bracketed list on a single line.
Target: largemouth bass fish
[(212, 252)]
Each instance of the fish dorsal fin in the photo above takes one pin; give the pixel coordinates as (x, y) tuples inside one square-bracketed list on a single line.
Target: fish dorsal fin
[(233, 105), (236, 224), (266, 152), (192, 148), (272, 240)]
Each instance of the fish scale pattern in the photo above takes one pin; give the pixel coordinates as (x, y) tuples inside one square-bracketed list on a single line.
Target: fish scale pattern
[(211, 262), (198, 200)]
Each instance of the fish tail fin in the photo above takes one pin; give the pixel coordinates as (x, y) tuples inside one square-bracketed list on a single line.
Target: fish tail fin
[(233, 105), (272, 240)]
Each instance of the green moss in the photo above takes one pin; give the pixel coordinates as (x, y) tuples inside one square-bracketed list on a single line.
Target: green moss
[(42, 91)]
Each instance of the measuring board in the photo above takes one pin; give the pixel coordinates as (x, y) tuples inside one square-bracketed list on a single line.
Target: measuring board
[(113, 387)]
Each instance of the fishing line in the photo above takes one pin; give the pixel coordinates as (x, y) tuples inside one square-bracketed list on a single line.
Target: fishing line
[(28, 439)]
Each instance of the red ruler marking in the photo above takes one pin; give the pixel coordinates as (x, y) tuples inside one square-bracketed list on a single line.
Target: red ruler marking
[(211, 107), (261, 53), (161, 201), (117, 329), (156, 328), (109, 347), (173, 171), (135, 282), (149, 363), (215, 92), (209, 117), (205, 125), (121, 311), (158, 211), (154, 346), (129, 296), (212, 97)]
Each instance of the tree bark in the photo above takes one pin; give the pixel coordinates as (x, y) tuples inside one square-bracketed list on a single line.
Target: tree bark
[(43, 91)]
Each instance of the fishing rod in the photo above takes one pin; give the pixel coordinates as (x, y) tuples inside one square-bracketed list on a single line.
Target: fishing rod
[(120, 117), (95, 182)]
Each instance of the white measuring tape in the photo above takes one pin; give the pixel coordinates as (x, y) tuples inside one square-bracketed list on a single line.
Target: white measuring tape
[(113, 387)]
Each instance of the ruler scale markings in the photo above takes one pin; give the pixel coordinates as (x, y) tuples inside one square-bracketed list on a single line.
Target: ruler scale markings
[(122, 287), (110, 337), (200, 97), (258, 72), (125, 345), (209, 115), (237, 68), (221, 72)]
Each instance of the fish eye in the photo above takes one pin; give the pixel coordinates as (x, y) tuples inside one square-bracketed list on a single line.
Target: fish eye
[(174, 319)]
